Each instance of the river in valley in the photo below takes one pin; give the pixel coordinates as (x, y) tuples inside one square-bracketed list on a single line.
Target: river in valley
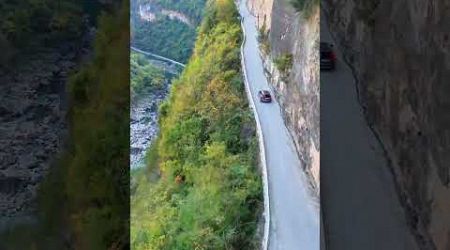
[(144, 121)]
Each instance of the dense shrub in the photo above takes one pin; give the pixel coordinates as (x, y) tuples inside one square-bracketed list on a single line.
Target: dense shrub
[(284, 63), (263, 39), (144, 75), (96, 182), (83, 199), (165, 37), (208, 195)]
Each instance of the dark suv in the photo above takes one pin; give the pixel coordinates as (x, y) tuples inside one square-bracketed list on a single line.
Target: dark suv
[(327, 57), (264, 96)]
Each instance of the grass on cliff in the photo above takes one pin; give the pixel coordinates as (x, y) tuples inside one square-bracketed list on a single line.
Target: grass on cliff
[(29, 25), (263, 39), (208, 194), (95, 180), (165, 37), (284, 63), (305, 6)]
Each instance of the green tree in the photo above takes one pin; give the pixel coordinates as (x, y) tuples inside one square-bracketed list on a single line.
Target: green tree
[(144, 76), (208, 194)]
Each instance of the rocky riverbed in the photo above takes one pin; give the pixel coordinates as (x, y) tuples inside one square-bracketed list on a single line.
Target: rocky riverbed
[(144, 122), (33, 126), (32, 115)]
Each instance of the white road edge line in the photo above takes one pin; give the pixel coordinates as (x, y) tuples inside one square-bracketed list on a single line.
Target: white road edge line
[(262, 151)]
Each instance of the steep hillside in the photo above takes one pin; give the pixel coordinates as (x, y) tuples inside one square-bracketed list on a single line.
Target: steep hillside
[(166, 27), (290, 53), (83, 200), (40, 47), (143, 75), (149, 86), (201, 188), (399, 54), (42, 43)]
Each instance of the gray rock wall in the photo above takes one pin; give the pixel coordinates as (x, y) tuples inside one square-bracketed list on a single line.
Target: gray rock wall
[(399, 52), (298, 90)]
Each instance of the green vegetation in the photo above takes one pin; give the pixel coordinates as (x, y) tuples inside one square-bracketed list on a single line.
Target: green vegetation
[(83, 199), (193, 8), (144, 75), (284, 63), (208, 191), (263, 39), (165, 37), (305, 6), (29, 20), (29, 24), (170, 38), (96, 183)]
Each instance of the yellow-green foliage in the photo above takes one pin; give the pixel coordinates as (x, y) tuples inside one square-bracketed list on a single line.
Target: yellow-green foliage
[(284, 63), (208, 195), (144, 75), (263, 38), (96, 182), (83, 200), (92, 177), (31, 19)]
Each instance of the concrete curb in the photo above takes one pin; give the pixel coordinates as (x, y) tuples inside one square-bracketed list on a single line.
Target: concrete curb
[(262, 152)]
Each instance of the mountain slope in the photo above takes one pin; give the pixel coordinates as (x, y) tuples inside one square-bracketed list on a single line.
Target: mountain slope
[(166, 27), (207, 191), (83, 201)]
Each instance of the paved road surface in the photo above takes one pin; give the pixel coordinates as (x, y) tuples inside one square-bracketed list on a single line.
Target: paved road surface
[(294, 215), (360, 207)]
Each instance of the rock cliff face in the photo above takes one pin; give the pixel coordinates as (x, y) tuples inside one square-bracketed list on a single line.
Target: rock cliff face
[(33, 125), (263, 10), (297, 90), (400, 55)]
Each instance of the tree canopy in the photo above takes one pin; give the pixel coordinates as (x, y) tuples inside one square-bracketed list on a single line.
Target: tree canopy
[(208, 193)]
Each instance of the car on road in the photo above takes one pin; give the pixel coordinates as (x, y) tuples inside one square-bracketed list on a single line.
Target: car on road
[(264, 96), (327, 57)]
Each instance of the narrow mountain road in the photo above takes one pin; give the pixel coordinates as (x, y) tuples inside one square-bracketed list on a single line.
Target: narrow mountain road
[(359, 203), (157, 56), (294, 214)]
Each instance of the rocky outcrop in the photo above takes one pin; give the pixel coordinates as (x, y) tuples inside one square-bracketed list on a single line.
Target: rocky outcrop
[(33, 124), (297, 90), (399, 53), (150, 12)]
